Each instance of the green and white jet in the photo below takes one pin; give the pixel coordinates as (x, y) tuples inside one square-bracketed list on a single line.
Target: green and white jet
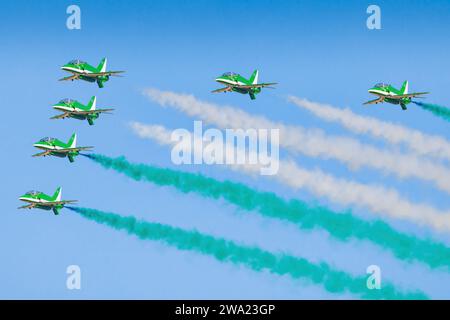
[(76, 110), (235, 82), (84, 71), (40, 200), (57, 148), (389, 94)]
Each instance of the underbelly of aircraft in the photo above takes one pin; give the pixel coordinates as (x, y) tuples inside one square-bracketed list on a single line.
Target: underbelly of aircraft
[(89, 79), (79, 116), (240, 90)]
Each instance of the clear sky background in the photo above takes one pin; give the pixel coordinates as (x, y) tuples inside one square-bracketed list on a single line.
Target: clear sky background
[(320, 50)]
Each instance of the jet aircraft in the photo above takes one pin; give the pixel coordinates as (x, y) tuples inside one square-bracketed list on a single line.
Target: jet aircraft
[(40, 200), (57, 148), (74, 109), (84, 71), (389, 94), (237, 83)]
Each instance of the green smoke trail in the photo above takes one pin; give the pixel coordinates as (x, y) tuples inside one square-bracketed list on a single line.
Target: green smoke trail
[(253, 257), (341, 226), (437, 110)]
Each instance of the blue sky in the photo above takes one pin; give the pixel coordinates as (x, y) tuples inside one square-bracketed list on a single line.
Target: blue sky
[(318, 50)]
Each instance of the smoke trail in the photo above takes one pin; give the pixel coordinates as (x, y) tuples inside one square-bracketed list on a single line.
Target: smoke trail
[(341, 226), (435, 109), (255, 258), (376, 198), (421, 143), (311, 142)]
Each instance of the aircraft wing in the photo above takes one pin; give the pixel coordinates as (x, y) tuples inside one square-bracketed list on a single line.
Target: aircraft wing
[(66, 150), (61, 151), (94, 111), (258, 85), (63, 202), (106, 73), (72, 77), (408, 95), (61, 116), (52, 203), (226, 89), (28, 206), (375, 101), (82, 148), (42, 154)]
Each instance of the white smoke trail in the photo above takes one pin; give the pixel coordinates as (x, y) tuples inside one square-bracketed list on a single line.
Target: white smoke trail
[(311, 142), (377, 199), (421, 143)]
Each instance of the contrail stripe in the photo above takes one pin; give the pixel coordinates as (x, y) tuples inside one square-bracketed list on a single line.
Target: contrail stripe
[(223, 250), (341, 226), (440, 111), (375, 198), (421, 143)]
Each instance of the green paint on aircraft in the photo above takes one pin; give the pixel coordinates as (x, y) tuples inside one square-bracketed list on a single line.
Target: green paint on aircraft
[(40, 200), (389, 94), (57, 148), (84, 71), (236, 83), (76, 110)]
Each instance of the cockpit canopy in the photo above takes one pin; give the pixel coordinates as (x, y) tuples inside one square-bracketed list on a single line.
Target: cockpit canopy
[(381, 85), (229, 74), (66, 101), (76, 62), (33, 193), (47, 139)]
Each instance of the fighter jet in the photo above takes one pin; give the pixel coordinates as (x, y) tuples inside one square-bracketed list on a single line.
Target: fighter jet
[(57, 148), (76, 110), (235, 82), (40, 200), (84, 71), (387, 93)]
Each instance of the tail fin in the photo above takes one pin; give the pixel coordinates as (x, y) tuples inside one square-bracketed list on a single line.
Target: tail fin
[(254, 78), (92, 103), (73, 141), (404, 89), (102, 66), (57, 195)]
